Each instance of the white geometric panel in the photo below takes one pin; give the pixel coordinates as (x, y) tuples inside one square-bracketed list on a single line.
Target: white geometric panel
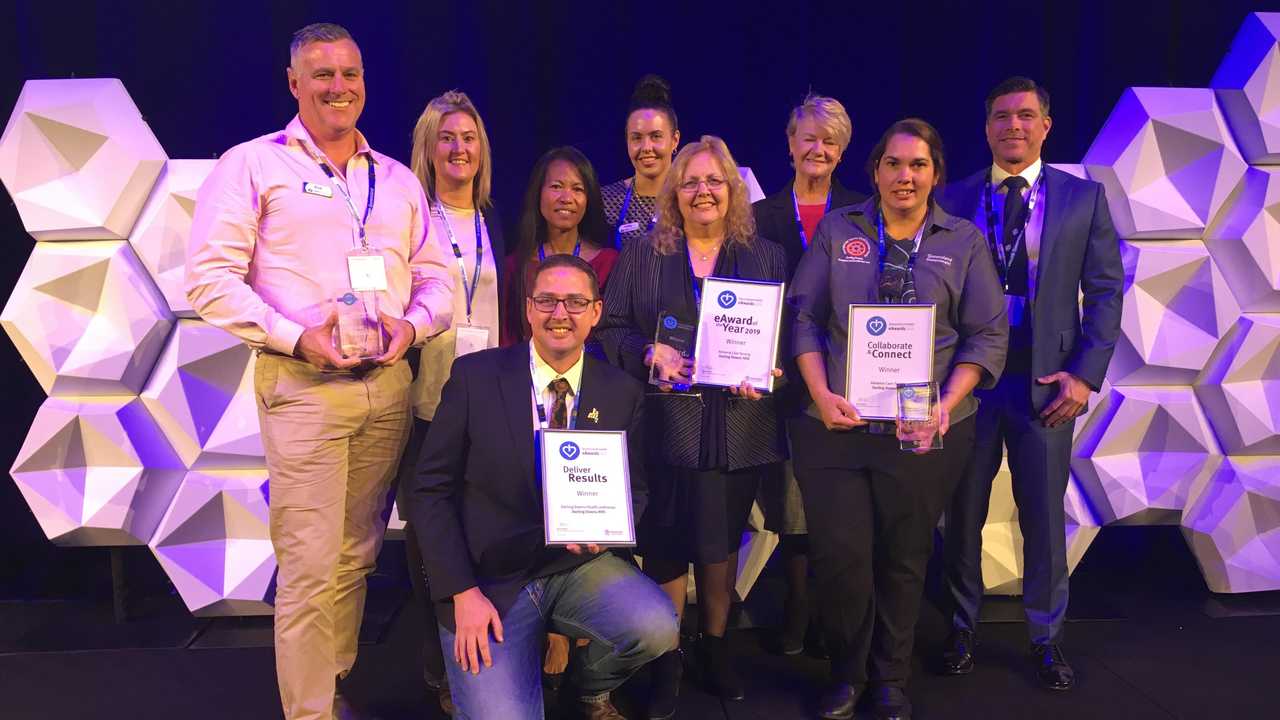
[(1074, 170), (1240, 387), (1167, 162), (1141, 450), (160, 236), (86, 318), (1232, 523), (78, 159), (201, 395), (96, 471), (1245, 241), (1177, 306), (1248, 88), (214, 542)]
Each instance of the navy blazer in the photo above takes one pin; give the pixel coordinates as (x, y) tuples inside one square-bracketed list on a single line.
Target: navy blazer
[(476, 501), (776, 218), (1079, 252)]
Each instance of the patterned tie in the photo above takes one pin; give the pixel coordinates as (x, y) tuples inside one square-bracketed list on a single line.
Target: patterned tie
[(1013, 231), (560, 409), (897, 283)]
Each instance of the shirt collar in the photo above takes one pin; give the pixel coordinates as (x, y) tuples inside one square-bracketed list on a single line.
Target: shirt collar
[(297, 132), (543, 373), (1030, 174)]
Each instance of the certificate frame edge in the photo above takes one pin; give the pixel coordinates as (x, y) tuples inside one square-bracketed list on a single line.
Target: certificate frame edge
[(932, 309), (777, 324), (626, 477)]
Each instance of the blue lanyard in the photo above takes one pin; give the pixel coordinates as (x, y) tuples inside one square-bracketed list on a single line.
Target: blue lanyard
[(1004, 255), (622, 217), (915, 250), (368, 207), (469, 289), (804, 241), (542, 250)]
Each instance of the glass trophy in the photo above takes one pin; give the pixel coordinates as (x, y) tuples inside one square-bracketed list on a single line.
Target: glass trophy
[(359, 333), (919, 415), (673, 344)]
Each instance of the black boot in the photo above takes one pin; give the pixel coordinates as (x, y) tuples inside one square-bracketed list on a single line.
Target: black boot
[(717, 668), (666, 672)]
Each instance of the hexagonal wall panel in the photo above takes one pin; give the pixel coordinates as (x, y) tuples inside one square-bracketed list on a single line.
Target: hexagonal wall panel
[(1232, 523), (1177, 306), (86, 318), (1240, 387), (1143, 447), (78, 159), (1249, 96), (1167, 161), (96, 471), (201, 395), (215, 544), (161, 233), (1245, 241)]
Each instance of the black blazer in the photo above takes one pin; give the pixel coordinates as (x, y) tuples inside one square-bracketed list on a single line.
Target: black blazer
[(1078, 252), (493, 226), (476, 502), (776, 218)]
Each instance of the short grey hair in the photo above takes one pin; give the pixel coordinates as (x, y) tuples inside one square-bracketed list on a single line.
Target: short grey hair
[(316, 32)]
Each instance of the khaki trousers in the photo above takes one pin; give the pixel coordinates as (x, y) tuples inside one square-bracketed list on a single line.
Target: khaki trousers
[(332, 442)]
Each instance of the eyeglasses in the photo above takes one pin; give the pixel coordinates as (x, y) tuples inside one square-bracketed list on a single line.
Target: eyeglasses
[(691, 186), (574, 304)]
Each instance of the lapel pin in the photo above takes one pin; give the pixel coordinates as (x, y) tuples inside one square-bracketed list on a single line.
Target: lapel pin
[(594, 415)]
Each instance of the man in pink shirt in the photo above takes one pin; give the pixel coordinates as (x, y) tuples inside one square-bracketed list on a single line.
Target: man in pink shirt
[(285, 227)]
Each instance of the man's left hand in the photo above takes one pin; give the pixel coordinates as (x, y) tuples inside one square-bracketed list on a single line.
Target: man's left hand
[(1073, 398), (400, 334), (589, 548)]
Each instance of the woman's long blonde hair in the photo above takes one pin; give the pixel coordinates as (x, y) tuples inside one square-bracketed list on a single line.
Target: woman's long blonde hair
[(424, 136), (740, 224)]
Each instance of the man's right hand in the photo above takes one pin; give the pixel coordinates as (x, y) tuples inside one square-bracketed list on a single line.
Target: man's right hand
[(837, 413), (315, 345), (472, 616)]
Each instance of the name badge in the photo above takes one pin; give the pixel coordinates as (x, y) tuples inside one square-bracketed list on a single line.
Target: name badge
[(629, 227), (311, 188), (586, 488), (368, 272), (469, 339)]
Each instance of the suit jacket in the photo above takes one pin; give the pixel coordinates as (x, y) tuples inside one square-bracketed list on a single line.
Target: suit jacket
[(776, 218), (476, 499), (1078, 252)]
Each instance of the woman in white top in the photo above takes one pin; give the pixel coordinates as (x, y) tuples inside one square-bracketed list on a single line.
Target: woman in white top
[(451, 159)]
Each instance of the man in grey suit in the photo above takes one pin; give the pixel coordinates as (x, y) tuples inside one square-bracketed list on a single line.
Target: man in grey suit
[(1051, 237)]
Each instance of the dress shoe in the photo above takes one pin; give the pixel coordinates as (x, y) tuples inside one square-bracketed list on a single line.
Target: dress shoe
[(838, 701), (891, 703), (666, 672), (598, 708), (1051, 667), (957, 656), (718, 673)]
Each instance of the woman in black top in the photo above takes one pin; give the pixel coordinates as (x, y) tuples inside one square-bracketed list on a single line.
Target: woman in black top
[(711, 446)]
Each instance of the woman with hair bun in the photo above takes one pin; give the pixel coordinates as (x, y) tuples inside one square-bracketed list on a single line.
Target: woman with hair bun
[(652, 134)]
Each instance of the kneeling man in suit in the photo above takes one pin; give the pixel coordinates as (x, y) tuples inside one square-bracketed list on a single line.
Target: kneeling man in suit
[(477, 504)]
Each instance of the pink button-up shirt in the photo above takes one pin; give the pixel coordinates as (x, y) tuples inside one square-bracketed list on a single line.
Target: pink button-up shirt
[(267, 259)]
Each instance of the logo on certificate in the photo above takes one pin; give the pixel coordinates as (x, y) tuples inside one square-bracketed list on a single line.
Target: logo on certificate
[(876, 325), (727, 299), (669, 322), (569, 450), (857, 247)]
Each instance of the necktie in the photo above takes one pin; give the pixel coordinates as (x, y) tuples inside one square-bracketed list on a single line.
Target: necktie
[(1012, 233), (560, 408)]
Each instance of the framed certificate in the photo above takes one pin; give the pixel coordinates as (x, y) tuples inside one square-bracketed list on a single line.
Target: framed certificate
[(586, 487), (738, 326), (889, 345)]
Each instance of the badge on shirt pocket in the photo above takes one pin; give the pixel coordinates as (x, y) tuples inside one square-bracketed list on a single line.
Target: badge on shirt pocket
[(317, 189)]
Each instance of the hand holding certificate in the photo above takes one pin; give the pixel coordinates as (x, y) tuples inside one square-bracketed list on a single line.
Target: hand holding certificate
[(889, 345), (586, 488)]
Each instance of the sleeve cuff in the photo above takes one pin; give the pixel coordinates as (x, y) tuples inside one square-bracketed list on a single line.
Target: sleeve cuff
[(284, 335), (807, 343)]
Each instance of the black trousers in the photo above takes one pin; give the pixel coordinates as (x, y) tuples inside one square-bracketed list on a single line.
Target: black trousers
[(872, 509), (432, 655)]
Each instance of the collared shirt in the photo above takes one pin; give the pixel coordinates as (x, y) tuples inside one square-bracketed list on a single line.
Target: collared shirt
[(267, 259), (953, 271), (1016, 306), (544, 374), (438, 353)]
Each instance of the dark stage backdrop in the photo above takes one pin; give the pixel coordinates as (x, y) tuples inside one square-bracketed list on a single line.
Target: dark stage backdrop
[(208, 75)]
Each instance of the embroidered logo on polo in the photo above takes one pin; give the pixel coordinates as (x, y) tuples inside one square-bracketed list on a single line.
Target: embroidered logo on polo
[(569, 450), (727, 299), (876, 325), (855, 249)]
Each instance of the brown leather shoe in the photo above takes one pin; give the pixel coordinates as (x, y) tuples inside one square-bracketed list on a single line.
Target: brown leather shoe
[(444, 696), (598, 709)]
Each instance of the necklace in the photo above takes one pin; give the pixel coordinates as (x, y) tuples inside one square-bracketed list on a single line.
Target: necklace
[(705, 256)]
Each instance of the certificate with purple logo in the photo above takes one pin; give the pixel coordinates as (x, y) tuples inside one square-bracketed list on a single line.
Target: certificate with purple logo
[(889, 345), (738, 326), (586, 487)]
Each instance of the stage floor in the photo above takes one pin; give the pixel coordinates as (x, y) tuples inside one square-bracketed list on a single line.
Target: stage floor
[(1147, 641)]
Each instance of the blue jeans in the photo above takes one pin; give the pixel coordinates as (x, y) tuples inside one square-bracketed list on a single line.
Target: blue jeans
[(627, 618)]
